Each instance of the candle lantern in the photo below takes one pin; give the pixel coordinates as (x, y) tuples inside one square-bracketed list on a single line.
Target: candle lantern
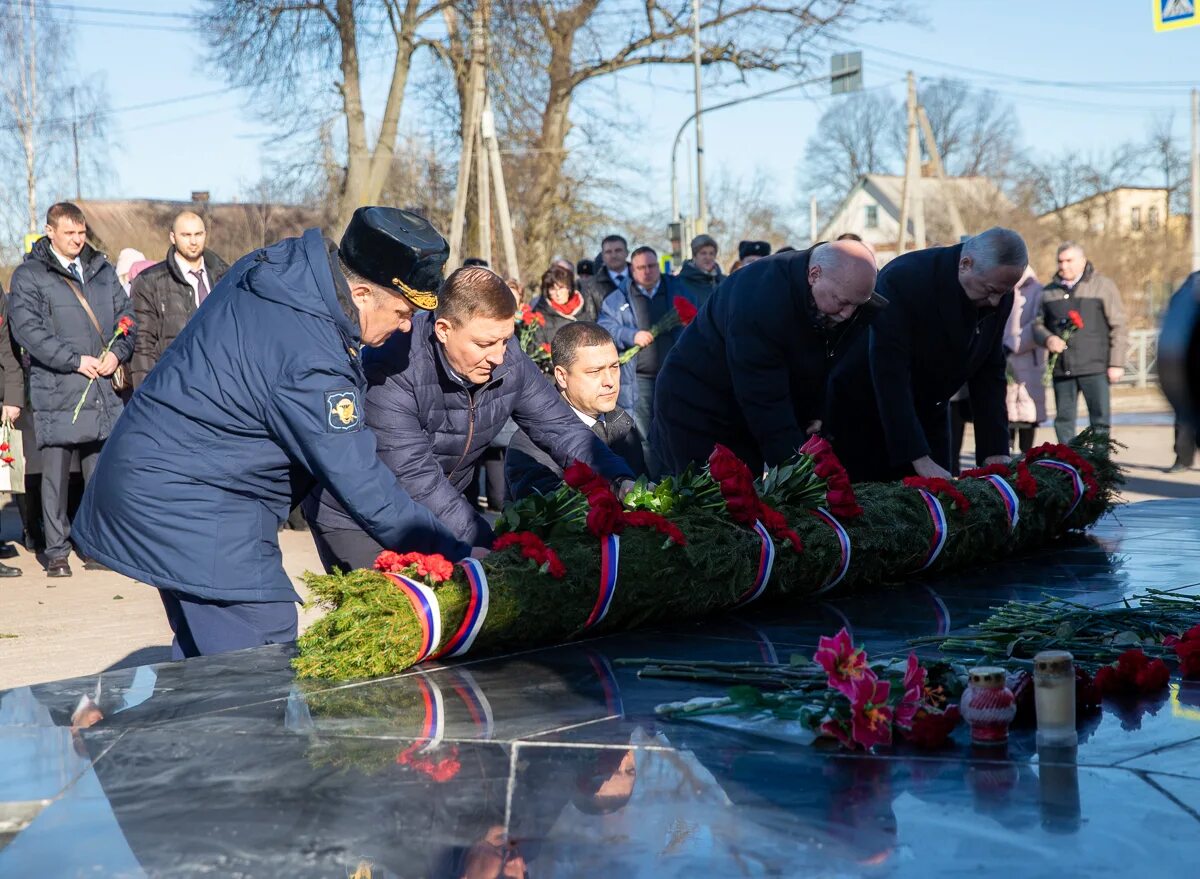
[(1054, 698), (988, 706)]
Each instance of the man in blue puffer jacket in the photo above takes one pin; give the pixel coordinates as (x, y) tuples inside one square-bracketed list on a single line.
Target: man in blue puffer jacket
[(437, 398), (258, 399)]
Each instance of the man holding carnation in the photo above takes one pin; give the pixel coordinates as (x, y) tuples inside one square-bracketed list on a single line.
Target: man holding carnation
[(437, 398), (587, 372), (750, 371), (258, 398), (944, 327)]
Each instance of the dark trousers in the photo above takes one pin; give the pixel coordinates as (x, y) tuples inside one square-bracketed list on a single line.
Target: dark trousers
[(1095, 392), (56, 475), (1185, 445), (204, 627), (345, 548), (643, 417)]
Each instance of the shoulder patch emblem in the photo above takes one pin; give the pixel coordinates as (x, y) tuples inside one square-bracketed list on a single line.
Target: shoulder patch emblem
[(341, 408)]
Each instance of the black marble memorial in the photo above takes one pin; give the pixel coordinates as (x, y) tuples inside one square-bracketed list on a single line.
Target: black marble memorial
[(551, 762)]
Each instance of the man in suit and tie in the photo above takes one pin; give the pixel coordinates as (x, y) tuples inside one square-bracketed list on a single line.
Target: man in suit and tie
[(611, 274)]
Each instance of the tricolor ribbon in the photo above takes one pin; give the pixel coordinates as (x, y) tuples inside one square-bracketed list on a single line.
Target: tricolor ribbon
[(766, 560), (429, 614), (610, 556), (940, 611), (477, 609), (843, 542), (433, 727), (1008, 494), (940, 530), (477, 704), (1077, 485)]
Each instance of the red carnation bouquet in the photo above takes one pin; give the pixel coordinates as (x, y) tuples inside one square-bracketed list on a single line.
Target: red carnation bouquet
[(124, 327), (1067, 328), (681, 315), (433, 568), (814, 479), (529, 322), (741, 499), (607, 515), (944, 487)]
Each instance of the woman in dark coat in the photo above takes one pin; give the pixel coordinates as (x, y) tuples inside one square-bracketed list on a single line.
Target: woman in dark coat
[(560, 303)]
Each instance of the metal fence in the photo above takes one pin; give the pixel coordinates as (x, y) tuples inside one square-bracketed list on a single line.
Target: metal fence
[(1141, 359)]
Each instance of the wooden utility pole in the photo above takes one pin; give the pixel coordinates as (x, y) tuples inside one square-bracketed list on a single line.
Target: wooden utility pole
[(476, 85), (503, 217), (483, 194), (910, 197), (950, 195)]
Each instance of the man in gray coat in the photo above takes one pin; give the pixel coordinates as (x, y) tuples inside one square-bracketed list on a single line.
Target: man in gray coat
[(66, 304), (1091, 357)]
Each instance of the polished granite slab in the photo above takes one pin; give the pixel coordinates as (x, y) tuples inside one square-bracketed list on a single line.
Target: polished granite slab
[(551, 762)]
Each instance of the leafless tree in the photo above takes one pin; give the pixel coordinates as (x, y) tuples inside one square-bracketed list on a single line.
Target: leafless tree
[(976, 131), (1169, 161), (295, 42), (852, 139), (53, 127), (546, 52)]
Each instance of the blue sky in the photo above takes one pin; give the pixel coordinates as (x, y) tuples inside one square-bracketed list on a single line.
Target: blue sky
[(215, 142)]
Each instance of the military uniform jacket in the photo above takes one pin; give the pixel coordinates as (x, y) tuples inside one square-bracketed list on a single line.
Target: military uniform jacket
[(258, 399)]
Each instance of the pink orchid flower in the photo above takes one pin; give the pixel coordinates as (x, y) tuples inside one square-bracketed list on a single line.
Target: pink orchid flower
[(871, 717), (843, 662)]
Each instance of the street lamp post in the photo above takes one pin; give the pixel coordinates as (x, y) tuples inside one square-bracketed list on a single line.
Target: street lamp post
[(845, 76)]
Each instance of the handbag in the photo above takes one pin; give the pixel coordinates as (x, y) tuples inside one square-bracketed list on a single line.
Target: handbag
[(120, 378), (12, 474)]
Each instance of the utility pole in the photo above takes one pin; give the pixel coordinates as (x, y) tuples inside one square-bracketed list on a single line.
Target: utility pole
[(701, 203), (503, 217), (950, 196), (483, 193), (812, 221), (1196, 180), (475, 96), (910, 196), (75, 140)]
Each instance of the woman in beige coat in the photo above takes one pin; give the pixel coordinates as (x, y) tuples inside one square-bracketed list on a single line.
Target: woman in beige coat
[(1026, 363)]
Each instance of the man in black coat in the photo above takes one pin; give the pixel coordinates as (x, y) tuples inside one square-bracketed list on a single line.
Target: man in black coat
[(66, 306), (944, 327), (750, 371), (12, 385), (611, 271), (436, 399), (166, 295), (587, 373)]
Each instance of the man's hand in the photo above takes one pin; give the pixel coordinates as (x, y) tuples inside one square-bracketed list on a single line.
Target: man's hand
[(108, 365), (480, 552), (89, 366), (1056, 345), (814, 427), (930, 469), (625, 485), (10, 413), (1115, 374), (997, 459), (643, 339)]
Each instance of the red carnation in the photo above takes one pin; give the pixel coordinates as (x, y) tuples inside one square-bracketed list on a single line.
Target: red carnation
[(546, 347), (533, 548), (125, 326), (937, 485), (685, 309), (435, 567), (930, 729), (826, 467), (647, 519), (1026, 484), (605, 515), (843, 504), (1187, 649), (989, 470), (1132, 674), (3, 447), (1076, 319), (816, 446), (776, 523), (583, 478)]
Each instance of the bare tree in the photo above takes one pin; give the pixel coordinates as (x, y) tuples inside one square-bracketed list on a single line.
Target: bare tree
[(852, 139), (295, 39), (1169, 161), (746, 207), (53, 127), (545, 52), (976, 132)]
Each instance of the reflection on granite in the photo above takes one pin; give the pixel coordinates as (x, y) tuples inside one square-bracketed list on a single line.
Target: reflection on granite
[(551, 762)]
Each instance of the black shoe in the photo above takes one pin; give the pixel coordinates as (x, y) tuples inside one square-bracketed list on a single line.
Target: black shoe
[(9, 571), (7, 551), (58, 568), (33, 543), (1174, 468), (93, 565)]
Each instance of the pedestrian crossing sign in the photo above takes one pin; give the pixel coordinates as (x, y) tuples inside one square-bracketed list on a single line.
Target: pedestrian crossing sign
[(1171, 15)]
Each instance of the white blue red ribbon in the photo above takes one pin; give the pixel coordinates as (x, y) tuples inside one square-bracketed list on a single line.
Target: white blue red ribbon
[(766, 560), (1077, 485), (940, 611), (610, 556), (843, 542), (473, 697), (477, 609), (1008, 494), (433, 727), (940, 529), (429, 614)]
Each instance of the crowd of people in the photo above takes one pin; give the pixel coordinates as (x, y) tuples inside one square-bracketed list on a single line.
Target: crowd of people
[(351, 381)]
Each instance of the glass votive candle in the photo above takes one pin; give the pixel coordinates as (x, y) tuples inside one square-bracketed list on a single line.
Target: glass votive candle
[(1054, 698)]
